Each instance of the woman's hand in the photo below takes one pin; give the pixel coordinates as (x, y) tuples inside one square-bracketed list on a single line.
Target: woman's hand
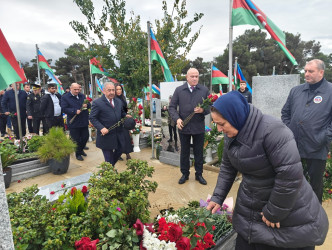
[(214, 206), (269, 223)]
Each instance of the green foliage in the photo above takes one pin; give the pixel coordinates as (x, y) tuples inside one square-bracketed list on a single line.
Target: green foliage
[(147, 111), (56, 145), (8, 153), (74, 201), (327, 179), (220, 149), (34, 143)]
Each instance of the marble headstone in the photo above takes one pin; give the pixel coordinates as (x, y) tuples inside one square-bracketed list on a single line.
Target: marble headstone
[(270, 92), (157, 108), (6, 237)]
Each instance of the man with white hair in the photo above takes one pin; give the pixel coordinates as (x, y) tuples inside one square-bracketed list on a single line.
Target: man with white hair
[(105, 113), (308, 113)]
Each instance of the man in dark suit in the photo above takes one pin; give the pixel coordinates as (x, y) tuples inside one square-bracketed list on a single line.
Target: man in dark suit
[(9, 107), (186, 98), (72, 104), (106, 111), (3, 117), (33, 109), (27, 89), (50, 106)]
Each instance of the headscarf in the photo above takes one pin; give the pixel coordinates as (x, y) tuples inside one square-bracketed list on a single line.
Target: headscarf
[(234, 108)]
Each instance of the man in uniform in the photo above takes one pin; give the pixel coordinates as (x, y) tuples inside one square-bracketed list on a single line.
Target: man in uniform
[(33, 109)]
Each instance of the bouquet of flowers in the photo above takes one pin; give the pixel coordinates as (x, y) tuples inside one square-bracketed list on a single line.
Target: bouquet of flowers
[(205, 104), (135, 110), (86, 101)]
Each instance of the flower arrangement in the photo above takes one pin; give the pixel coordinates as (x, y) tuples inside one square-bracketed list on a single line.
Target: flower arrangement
[(135, 110), (207, 102)]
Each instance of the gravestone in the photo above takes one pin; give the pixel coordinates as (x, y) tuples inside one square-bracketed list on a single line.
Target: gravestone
[(6, 237), (269, 93), (157, 109)]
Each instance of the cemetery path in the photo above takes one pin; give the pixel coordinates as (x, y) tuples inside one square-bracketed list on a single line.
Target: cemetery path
[(169, 193)]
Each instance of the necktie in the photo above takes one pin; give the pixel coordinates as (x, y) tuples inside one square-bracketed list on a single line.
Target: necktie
[(192, 88), (111, 103)]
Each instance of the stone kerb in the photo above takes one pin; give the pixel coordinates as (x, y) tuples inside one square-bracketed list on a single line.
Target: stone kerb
[(6, 238), (270, 92)]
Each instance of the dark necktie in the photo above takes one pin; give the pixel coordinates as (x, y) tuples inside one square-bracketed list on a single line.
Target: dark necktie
[(111, 103), (192, 88)]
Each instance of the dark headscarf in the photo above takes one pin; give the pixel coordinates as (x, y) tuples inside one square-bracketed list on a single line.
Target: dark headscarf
[(234, 108)]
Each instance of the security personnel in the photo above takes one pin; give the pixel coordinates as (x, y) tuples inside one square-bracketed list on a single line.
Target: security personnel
[(73, 105), (33, 109)]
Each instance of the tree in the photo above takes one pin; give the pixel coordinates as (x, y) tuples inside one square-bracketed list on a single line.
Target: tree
[(127, 55)]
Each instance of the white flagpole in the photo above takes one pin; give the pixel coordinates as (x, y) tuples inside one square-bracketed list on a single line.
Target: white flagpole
[(150, 85), (39, 82), (230, 46), (235, 70), (91, 89)]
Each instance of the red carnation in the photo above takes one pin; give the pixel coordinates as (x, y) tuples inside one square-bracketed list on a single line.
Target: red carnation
[(84, 189), (52, 192), (139, 227), (73, 191), (174, 233), (134, 99), (140, 106), (183, 244)]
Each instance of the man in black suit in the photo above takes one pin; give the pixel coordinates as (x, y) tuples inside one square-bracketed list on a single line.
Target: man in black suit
[(9, 107), (3, 117), (186, 98), (27, 89), (106, 111), (72, 104), (33, 109), (50, 106)]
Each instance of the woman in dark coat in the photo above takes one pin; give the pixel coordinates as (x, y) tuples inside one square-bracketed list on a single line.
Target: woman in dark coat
[(275, 207), (127, 139)]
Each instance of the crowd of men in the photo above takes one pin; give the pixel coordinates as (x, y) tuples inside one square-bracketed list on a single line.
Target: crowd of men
[(46, 107)]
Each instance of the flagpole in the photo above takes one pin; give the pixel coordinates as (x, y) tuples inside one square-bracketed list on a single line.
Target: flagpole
[(18, 115), (211, 78), (91, 80), (38, 65), (150, 85), (235, 73), (230, 46)]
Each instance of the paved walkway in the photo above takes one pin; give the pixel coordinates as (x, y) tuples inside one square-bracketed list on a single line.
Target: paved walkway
[(169, 193)]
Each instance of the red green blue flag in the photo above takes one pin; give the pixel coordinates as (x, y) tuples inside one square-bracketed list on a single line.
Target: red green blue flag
[(240, 77), (10, 71), (43, 64), (246, 12), (96, 67), (218, 77), (157, 55)]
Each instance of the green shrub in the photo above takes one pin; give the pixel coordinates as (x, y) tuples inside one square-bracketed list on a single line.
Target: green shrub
[(34, 143), (147, 111), (8, 153)]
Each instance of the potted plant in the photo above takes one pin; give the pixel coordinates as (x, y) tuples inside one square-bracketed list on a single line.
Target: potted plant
[(8, 156), (56, 149)]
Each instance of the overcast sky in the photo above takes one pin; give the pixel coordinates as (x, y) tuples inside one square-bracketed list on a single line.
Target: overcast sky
[(46, 23)]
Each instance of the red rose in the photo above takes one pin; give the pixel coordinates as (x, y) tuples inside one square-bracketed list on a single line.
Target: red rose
[(86, 244), (140, 106), (84, 189), (134, 99), (81, 242), (330, 191), (140, 112), (52, 192), (63, 185), (89, 99), (183, 244), (73, 191), (53, 208), (15, 114), (139, 227), (174, 233), (19, 181), (213, 227), (162, 224), (210, 96), (208, 238), (214, 98)]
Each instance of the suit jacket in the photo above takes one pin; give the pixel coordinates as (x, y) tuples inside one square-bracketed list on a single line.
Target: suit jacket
[(47, 106), (33, 105), (8, 102), (186, 101), (103, 115), (70, 104)]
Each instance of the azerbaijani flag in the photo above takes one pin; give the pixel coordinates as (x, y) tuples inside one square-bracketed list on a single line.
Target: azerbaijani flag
[(218, 77), (157, 55), (240, 77), (43, 64), (99, 85), (10, 71), (155, 89), (246, 12), (96, 67)]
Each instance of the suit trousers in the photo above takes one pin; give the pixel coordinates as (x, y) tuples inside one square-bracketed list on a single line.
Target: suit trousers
[(36, 124), (15, 125), (55, 121), (30, 127), (3, 123), (314, 168), (112, 156), (242, 244), (172, 131), (80, 136), (198, 143)]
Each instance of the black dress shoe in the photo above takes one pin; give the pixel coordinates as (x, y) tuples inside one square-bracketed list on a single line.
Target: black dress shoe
[(200, 179), (86, 148), (183, 179), (79, 158), (128, 157), (120, 159), (83, 153)]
